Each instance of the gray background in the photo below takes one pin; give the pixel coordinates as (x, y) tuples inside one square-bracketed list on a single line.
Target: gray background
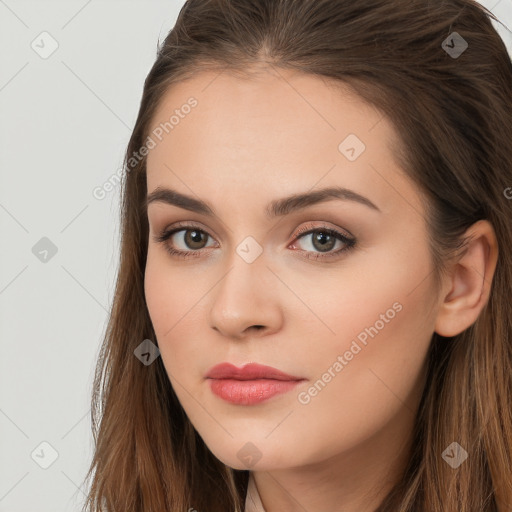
[(65, 120)]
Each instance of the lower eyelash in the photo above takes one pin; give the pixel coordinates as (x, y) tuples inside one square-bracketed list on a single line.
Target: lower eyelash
[(349, 243)]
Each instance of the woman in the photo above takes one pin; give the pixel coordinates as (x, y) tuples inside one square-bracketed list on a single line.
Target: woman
[(313, 302)]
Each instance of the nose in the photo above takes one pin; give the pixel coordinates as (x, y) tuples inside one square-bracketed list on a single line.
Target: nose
[(246, 301)]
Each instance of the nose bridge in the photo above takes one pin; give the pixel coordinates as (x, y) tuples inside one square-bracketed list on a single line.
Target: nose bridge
[(244, 297)]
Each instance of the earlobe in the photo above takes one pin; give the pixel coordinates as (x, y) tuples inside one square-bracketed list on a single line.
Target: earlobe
[(469, 282)]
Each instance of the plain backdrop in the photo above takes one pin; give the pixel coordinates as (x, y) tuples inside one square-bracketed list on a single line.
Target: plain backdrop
[(71, 78)]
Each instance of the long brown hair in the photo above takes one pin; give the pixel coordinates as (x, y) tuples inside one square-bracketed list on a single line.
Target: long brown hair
[(453, 114)]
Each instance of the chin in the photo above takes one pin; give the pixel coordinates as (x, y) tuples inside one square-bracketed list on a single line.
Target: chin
[(260, 455)]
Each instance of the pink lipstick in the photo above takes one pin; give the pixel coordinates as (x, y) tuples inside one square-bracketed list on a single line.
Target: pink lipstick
[(249, 385)]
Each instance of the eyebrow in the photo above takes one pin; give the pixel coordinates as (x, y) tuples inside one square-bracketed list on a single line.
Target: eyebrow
[(276, 208)]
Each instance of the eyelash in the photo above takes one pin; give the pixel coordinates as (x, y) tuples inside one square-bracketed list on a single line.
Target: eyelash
[(307, 230)]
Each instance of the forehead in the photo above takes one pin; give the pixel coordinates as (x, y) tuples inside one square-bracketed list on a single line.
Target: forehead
[(273, 106), (274, 130)]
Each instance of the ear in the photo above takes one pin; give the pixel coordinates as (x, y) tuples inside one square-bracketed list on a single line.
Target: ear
[(470, 281)]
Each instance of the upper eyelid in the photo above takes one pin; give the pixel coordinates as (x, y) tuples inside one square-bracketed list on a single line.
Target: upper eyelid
[(184, 225)]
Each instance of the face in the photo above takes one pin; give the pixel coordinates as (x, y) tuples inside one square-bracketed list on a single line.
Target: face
[(335, 290)]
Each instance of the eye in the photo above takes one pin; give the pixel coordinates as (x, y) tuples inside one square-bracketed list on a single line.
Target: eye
[(321, 238), (324, 239), (189, 236)]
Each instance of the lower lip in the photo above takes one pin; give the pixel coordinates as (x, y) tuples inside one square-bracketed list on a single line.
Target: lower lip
[(250, 392)]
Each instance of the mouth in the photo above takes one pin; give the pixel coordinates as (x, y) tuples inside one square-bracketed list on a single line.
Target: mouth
[(250, 392), (249, 385)]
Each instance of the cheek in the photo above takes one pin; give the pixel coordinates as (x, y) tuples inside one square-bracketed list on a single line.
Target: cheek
[(384, 311), (160, 298), (364, 373), (164, 301)]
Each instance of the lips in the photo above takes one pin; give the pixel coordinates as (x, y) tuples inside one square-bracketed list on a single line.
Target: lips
[(249, 385), (250, 371)]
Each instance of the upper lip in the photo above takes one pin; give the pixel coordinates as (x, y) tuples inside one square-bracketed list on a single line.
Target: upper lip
[(248, 372)]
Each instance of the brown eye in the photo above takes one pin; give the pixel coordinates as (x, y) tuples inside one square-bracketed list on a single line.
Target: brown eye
[(194, 238), (191, 239), (322, 242)]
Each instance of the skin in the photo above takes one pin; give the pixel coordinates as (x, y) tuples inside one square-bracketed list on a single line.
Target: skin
[(246, 143)]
